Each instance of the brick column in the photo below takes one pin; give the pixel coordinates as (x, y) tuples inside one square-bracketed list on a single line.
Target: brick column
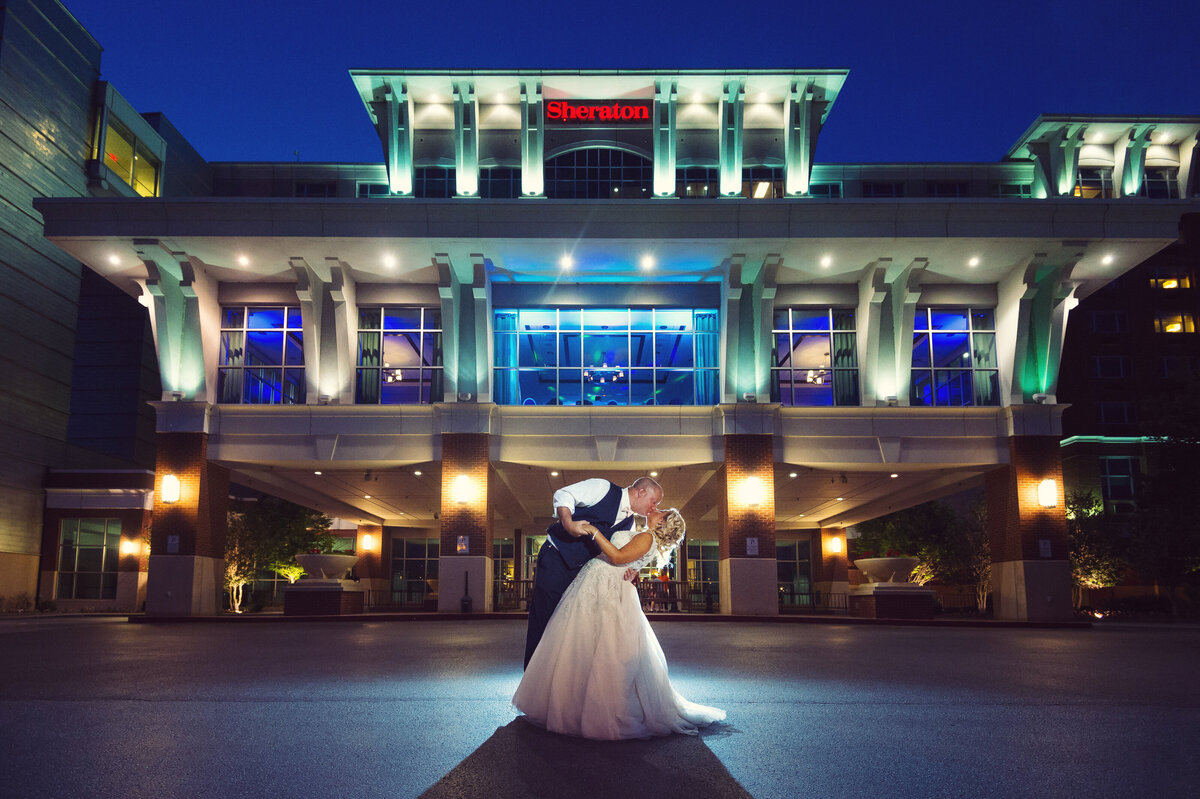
[(187, 537), (466, 523), (746, 544), (1031, 578), (829, 563)]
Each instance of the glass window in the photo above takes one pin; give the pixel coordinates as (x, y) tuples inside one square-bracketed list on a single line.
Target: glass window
[(1174, 323), (261, 359), (828, 191), (500, 182), (373, 190), (1094, 182), (1114, 412), (504, 588), (762, 182), (1109, 322), (324, 188), (794, 574), (1170, 278), (433, 182), (944, 188), (399, 356), (88, 553), (877, 188), (605, 356), (1161, 183), (130, 160), (816, 357), (954, 357), (698, 182), (599, 173), (415, 571), (1017, 190), (703, 573), (1118, 475), (1110, 366)]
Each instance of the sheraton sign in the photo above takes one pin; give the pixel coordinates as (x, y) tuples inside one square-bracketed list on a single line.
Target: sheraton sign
[(583, 112)]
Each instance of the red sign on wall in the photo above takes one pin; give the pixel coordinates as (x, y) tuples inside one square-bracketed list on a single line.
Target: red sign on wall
[(598, 112)]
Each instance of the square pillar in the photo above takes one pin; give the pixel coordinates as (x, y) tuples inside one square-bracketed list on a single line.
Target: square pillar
[(1031, 576), (465, 565), (187, 536), (746, 543)]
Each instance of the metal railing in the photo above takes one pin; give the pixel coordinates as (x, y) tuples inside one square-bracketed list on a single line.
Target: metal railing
[(791, 601), (404, 600), (657, 596)]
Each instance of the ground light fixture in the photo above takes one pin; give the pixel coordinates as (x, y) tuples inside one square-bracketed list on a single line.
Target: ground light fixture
[(170, 488)]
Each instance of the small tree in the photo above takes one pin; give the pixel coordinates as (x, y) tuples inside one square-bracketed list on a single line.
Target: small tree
[(976, 553), (927, 532), (267, 534), (1094, 546)]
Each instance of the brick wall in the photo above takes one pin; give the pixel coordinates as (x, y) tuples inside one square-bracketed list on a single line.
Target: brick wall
[(370, 561), (828, 565), (1016, 522), (200, 517), (466, 454), (748, 456)]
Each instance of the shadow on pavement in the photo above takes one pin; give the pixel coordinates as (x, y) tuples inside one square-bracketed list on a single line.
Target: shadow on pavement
[(521, 760)]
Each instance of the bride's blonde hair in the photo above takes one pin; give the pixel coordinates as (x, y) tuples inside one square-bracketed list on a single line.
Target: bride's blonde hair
[(668, 537)]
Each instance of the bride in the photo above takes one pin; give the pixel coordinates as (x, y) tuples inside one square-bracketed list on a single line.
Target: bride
[(599, 671)]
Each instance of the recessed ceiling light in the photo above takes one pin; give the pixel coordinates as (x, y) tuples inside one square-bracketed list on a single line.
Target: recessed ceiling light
[(389, 260), (826, 261), (554, 474), (1106, 260), (895, 475), (792, 474), (243, 260), (697, 97), (802, 514), (647, 262), (566, 262), (417, 473), (654, 474), (316, 472), (841, 499), (366, 496), (114, 260), (974, 261)]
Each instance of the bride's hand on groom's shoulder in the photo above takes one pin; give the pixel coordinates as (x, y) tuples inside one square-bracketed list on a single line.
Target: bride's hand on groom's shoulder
[(631, 575)]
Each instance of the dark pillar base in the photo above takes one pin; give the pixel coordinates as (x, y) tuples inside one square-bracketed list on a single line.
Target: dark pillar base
[(325, 600), (891, 601)]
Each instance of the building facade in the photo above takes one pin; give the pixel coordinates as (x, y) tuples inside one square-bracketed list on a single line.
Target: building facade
[(555, 275)]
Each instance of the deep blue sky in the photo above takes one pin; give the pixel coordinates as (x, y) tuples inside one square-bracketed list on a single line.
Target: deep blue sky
[(929, 80)]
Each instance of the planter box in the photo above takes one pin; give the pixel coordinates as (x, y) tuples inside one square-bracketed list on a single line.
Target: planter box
[(891, 601)]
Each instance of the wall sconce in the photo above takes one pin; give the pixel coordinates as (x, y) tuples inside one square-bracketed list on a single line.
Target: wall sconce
[(1047, 493), (835, 545), (170, 488), (130, 547), (752, 492), (464, 490), (368, 543)]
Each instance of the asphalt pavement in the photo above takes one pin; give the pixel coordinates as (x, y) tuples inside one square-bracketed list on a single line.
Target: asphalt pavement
[(98, 706)]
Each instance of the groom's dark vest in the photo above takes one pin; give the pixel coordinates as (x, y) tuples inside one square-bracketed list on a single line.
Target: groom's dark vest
[(578, 551)]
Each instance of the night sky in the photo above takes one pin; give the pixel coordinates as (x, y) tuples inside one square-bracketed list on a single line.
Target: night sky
[(263, 80)]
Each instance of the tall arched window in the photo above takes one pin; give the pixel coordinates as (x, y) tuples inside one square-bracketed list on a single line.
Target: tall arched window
[(599, 173)]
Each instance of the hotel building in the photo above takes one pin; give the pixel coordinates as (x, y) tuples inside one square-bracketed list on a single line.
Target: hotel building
[(553, 275)]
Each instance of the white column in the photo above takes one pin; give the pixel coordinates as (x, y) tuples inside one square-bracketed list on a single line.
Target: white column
[(343, 293), (309, 295), (1129, 161), (1189, 154), (393, 111), (730, 142), (533, 140), (466, 139), (185, 320), (799, 138), (665, 97)]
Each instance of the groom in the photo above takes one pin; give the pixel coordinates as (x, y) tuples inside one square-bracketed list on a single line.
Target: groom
[(600, 503)]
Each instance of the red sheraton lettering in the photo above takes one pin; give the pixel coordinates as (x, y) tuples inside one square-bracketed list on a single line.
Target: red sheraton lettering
[(617, 112)]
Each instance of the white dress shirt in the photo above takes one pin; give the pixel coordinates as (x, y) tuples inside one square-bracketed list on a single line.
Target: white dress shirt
[(590, 493)]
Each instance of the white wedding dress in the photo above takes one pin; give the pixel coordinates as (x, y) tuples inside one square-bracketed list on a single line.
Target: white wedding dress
[(598, 671)]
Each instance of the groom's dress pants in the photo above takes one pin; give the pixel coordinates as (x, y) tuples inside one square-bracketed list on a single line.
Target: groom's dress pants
[(551, 580)]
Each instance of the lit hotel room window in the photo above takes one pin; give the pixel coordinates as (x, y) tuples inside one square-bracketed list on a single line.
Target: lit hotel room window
[(1171, 278), (399, 356), (1094, 183), (262, 356), (816, 357), (130, 160), (1174, 323), (954, 357)]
